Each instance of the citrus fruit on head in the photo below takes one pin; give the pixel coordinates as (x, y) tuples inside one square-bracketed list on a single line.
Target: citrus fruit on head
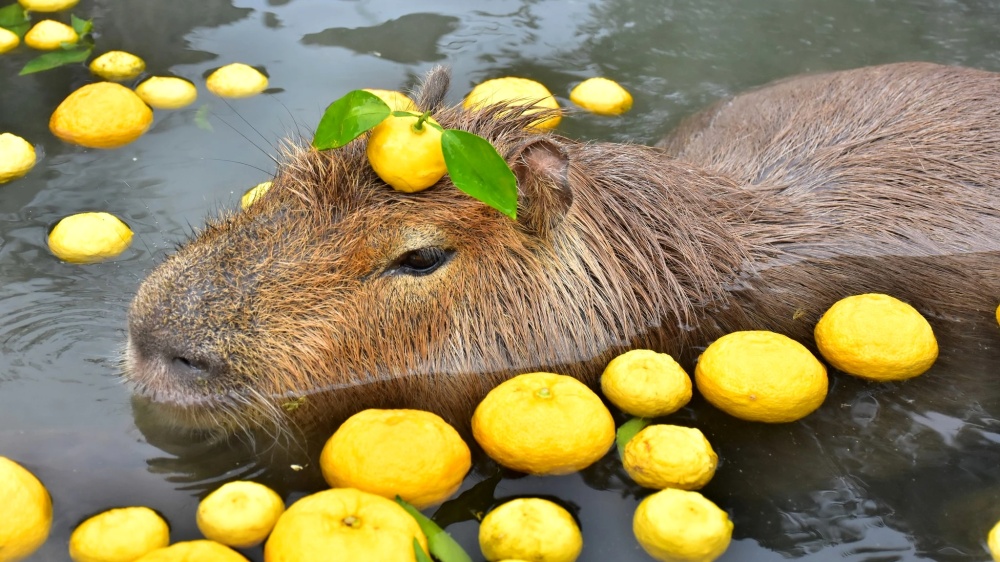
[(543, 423), (670, 456), (405, 157), (193, 551), (601, 96), (118, 535), (101, 115), (89, 237), (117, 65), (410, 453), (25, 510), (876, 337), (47, 5), (167, 92), (646, 384), (254, 193), (681, 526), (761, 376), (49, 35), (236, 80), (8, 40), (397, 101), (993, 542), (515, 91), (239, 514), (17, 157), (531, 529), (344, 524)]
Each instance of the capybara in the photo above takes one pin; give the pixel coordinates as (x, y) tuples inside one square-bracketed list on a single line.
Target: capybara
[(334, 293)]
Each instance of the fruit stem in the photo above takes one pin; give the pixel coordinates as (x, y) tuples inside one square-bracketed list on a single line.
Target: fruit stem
[(419, 125), (543, 393), (352, 521)]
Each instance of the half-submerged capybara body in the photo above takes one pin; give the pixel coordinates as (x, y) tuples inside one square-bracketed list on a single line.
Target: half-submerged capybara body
[(759, 214)]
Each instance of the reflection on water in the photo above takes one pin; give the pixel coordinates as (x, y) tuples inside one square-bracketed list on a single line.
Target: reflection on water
[(902, 471)]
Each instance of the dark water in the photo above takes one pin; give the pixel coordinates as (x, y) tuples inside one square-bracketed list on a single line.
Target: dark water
[(882, 472)]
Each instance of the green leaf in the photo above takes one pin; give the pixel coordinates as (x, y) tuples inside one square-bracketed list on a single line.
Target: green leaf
[(201, 118), (440, 543), (348, 118), (476, 168), (81, 26), (627, 431), (12, 16), (54, 59), (419, 553)]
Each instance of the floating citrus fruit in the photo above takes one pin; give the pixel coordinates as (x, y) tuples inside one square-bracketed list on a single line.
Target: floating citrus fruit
[(681, 526), (344, 524), (407, 158), (993, 541), (17, 157), (876, 337), (515, 91), (646, 384), (167, 92), (101, 115), (601, 96), (47, 5), (193, 551), (397, 101), (543, 423), (117, 65), (49, 35), (408, 453), (25, 510), (236, 80), (254, 193), (118, 535), (89, 237), (670, 456), (530, 529), (239, 514), (761, 376), (8, 40)]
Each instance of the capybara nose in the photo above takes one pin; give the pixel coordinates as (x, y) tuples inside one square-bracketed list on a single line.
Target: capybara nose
[(158, 353)]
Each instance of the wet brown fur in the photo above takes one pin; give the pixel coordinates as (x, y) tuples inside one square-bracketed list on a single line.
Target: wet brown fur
[(759, 214)]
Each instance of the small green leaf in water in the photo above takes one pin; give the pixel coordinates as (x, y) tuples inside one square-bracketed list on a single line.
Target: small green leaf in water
[(14, 18), (627, 431), (477, 169), (201, 118), (348, 118), (419, 553), (439, 542), (81, 26), (55, 59)]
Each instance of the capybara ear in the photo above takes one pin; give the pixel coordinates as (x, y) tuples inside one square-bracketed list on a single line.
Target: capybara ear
[(544, 195), (434, 88)]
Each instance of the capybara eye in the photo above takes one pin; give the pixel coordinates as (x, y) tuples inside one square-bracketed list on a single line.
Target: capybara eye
[(421, 261)]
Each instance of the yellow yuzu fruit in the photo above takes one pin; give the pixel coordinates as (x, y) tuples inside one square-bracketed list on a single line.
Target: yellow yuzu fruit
[(761, 376), (117, 65), (49, 35), (998, 314), (8, 40), (543, 423), (239, 514), (515, 91), (532, 529), (397, 101), (670, 456), (646, 384), (47, 5), (89, 237), (407, 158), (101, 115), (193, 551), (254, 193), (25, 512), (167, 92), (993, 542), (601, 96), (410, 453), (236, 80), (681, 526), (876, 337), (17, 157), (118, 535), (345, 524)]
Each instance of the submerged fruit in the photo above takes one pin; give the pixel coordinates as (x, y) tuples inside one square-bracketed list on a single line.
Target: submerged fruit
[(25, 510), (118, 535), (89, 237), (167, 92), (49, 35), (8, 40), (239, 514), (646, 384), (193, 551), (47, 5), (530, 529), (17, 157), (515, 91), (101, 115), (117, 65), (681, 526), (670, 456), (405, 157), (601, 96), (236, 80)]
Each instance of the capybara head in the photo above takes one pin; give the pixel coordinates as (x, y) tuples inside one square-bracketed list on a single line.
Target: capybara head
[(333, 292)]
